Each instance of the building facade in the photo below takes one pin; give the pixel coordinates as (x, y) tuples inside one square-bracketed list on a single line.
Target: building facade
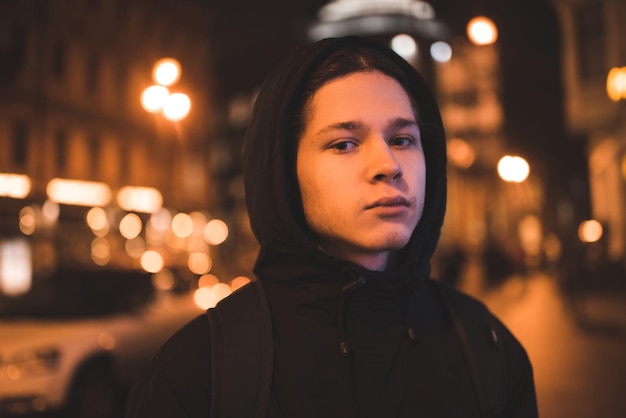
[(71, 77), (594, 34)]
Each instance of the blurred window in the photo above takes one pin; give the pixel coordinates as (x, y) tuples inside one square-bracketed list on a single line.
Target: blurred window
[(61, 152), (95, 145), (92, 72), (590, 39), (20, 143), (59, 58)]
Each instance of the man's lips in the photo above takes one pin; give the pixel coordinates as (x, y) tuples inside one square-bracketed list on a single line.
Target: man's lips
[(389, 202)]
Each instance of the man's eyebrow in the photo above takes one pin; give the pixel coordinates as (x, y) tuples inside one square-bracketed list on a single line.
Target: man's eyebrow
[(401, 122), (396, 123), (345, 126)]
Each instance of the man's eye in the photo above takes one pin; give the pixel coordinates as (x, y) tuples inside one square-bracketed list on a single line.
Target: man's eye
[(343, 145), (402, 141)]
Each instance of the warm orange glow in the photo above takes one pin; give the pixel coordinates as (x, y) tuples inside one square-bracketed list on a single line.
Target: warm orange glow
[(50, 210), (220, 291), (139, 199), (239, 282), (199, 263), (151, 261), (616, 84), (100, 251), (530, 234), (208, 280), (14, 185), (163, 280), (28, 222), (166, 71), (590, 231), (15, 267), (215, 232), (98, 222), (130, 226), (513, 169), (203, 298), (107, 341), (182, 225), (78, 192), (153, 98), (135, 247), (461, 153), (482, 31), (176, 107)]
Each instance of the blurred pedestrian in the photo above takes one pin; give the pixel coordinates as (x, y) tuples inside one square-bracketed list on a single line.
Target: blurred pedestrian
[(345, 178)]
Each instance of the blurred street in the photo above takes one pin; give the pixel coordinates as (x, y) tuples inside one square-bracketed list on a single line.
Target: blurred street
[(577, 347)]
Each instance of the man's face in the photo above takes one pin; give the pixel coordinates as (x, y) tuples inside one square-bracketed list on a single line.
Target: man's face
[(361, 168)]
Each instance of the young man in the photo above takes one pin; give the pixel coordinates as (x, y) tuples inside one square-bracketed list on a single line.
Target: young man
[(345, 176)]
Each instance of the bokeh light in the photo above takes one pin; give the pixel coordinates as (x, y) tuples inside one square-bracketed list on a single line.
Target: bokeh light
[(216, 231), (239, 282), (27, 220), (176, 107), (199, 263), (590, 231), (166, 71), (461, 153), (130, 226), (14, 185), (135, 247), (513, 169), (404, 45), (182, 225), (164, 280), (482, 31), (441, 51), (153, 98), (151, 261), (100, 251), (208, 280)]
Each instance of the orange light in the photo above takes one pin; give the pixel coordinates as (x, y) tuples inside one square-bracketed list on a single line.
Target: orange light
[(166, 71), (482, 31), (513, 169), (616, 84), (590, 231)]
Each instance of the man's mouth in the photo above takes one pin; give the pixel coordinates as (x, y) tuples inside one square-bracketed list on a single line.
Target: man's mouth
[(390, 202)]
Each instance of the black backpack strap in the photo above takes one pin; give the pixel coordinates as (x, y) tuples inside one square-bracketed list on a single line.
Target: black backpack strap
[(475, 329), (241, 354)]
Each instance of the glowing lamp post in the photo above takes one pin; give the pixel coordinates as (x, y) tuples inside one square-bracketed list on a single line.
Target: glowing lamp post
[(616, 84), (482, 31), (513, 169), (158, 98)]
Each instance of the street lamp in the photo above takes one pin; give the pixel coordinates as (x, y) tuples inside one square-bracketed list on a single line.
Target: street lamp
[(482, 31), (616, 84), (158, 98), (513, 169)]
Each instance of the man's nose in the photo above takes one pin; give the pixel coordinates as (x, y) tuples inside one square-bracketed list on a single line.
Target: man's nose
[(382, 163)]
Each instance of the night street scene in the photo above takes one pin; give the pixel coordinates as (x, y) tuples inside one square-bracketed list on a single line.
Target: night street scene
[(122, 206)]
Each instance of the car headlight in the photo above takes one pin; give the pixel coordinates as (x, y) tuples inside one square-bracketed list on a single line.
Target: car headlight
[(34, 362)]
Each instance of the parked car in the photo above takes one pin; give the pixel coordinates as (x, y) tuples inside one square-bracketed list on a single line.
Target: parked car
[(71, 345)]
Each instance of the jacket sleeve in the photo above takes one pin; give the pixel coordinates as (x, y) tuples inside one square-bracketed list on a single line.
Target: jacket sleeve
[(176, 382), (520, 386)]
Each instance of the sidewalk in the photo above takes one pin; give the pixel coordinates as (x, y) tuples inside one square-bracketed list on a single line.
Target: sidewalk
[(577, 347)]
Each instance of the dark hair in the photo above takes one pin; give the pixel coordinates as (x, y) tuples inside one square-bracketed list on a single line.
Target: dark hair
[(337, 64)]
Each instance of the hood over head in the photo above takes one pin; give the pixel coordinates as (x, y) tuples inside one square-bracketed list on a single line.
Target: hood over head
[(288, 250)]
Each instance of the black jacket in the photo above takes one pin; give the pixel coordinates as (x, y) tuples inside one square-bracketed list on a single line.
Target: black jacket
[(348, 342)]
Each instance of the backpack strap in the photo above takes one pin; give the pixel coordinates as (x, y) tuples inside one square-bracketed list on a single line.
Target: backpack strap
[(475, 328), (241, 354)]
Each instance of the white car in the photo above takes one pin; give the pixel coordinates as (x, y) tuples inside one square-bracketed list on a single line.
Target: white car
[(75, 341)]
